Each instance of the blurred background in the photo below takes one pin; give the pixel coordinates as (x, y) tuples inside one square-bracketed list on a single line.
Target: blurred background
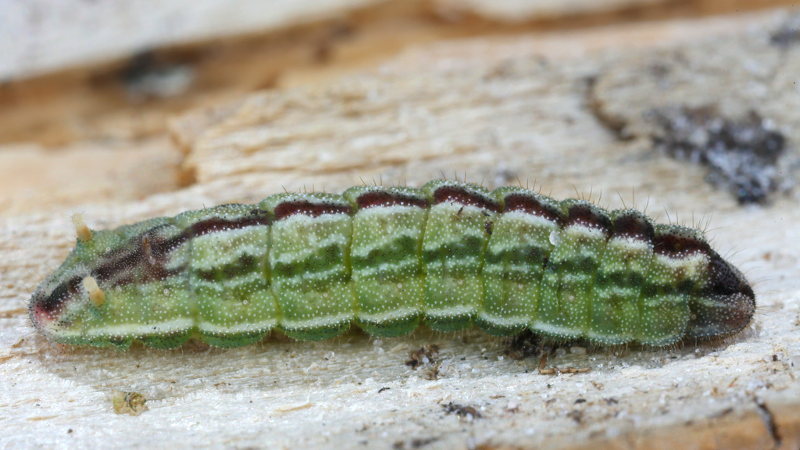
[(94, 85)]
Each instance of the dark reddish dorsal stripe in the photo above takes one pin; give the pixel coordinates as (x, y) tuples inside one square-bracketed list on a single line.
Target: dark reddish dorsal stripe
[(382, 198), (584, 215), (462, 196), (215, 224), (151, 251), (530, 205), (634, 226), (676, 245), (60, 294), (290, 208)]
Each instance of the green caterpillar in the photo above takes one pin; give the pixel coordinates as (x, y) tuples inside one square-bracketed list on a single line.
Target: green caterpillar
[(449, 254)]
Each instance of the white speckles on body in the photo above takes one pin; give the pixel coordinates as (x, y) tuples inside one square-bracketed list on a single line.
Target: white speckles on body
[(313, 272)]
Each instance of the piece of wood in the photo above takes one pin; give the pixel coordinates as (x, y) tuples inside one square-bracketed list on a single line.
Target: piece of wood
[(522, 10), (43, 35), (145, 73), (36, 178), (495, 111)]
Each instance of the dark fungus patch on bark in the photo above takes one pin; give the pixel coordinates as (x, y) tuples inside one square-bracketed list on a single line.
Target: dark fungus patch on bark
[(152, 75), (742, 154), (788, 34)]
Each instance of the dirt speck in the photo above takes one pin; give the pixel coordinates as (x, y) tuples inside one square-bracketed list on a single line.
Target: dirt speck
[(131, 403), (465, 412), (576, 415), (414, 443), (427, 358)]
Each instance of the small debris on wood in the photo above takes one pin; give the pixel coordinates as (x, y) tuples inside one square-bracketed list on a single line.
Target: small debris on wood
[(560, 370), (424, 355), (576, 415), (722, 413), (466, 412), (294, 408), (414, 443), (132, 403), (741, 154), (428, 357), (544, 370), (769, 421)]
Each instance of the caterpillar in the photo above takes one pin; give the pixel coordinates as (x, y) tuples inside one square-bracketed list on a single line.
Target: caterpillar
[(387, 259)]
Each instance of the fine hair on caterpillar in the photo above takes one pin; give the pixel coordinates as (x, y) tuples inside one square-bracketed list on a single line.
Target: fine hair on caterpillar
[(449, 255)]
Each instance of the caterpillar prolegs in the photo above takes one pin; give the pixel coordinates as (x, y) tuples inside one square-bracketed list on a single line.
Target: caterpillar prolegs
[(387, 259)]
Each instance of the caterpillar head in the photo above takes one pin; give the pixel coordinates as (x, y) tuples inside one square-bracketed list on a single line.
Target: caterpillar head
[(76, 295), (60, 304)]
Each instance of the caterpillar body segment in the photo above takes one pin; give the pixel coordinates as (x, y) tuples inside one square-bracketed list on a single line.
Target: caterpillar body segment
[(450, 255)]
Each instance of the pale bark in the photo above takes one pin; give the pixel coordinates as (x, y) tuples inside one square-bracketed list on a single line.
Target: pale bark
[(496, 111)]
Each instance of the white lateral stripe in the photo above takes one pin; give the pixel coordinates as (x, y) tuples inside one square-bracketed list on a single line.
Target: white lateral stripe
[(629, 243), (556, 329), (610, 338), (225, 236), (690, 261), (532, 219), (262, 326), (297, 281), (591, 232), (460, 310), (366, 272), (386, 210), (503, 321), (316, 322), (401, 313), (134, 330), (292, 221)]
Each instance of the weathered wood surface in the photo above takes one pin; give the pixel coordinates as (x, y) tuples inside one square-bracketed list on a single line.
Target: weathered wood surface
[(496, 111), (148, 71), (39, 36), (43, 35)]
